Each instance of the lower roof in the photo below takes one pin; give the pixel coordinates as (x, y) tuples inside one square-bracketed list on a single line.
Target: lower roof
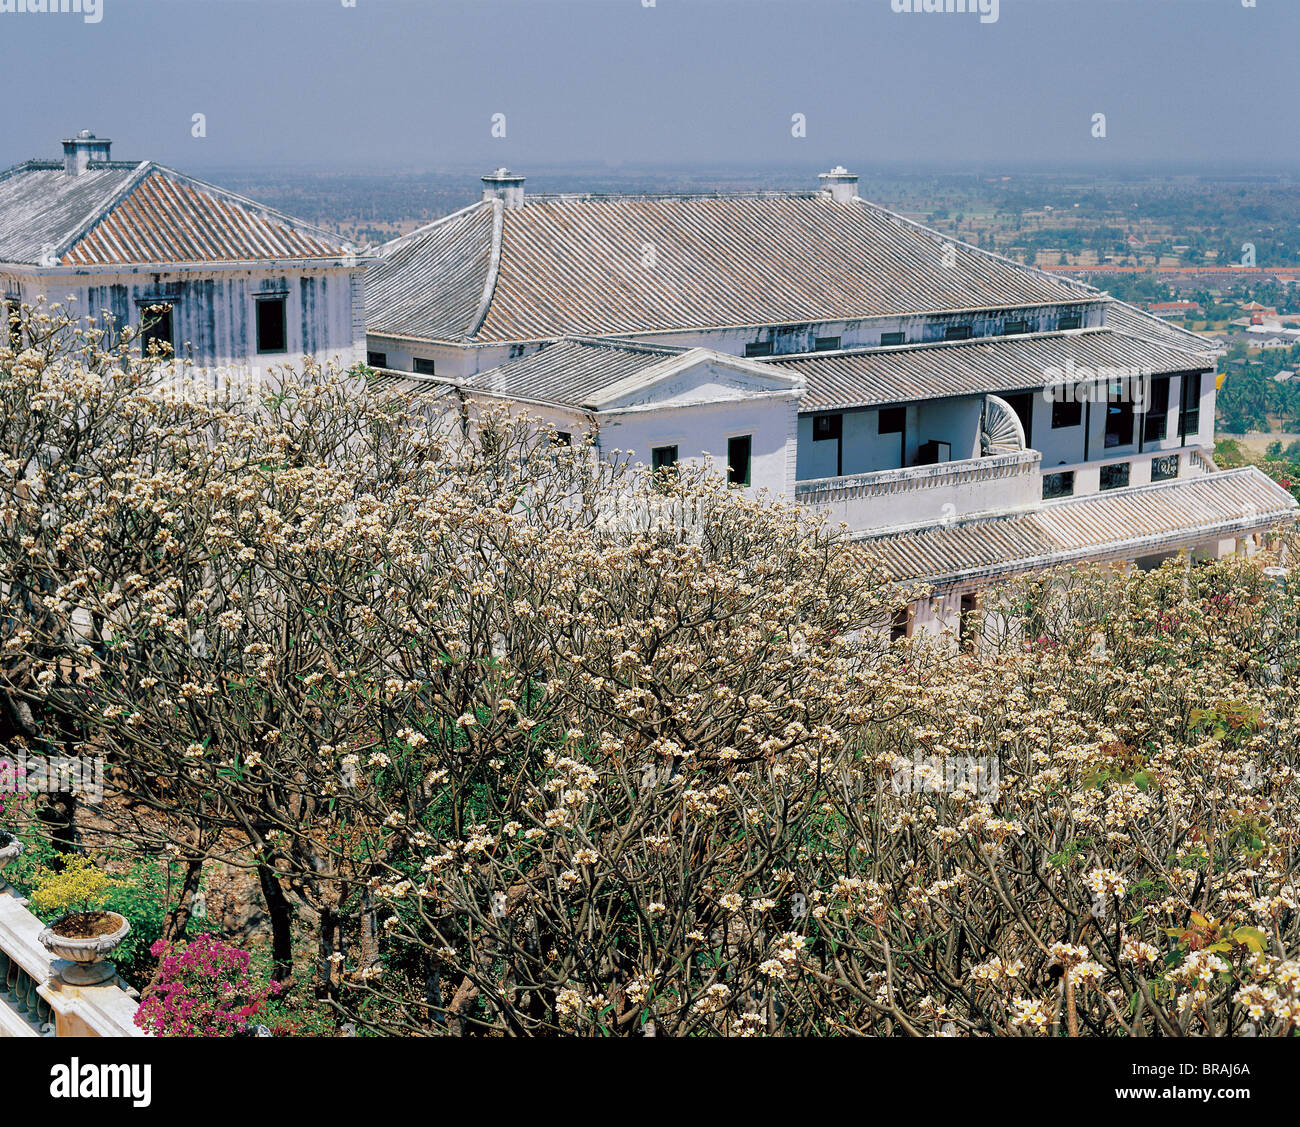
[(1119, 524), (871, 377)]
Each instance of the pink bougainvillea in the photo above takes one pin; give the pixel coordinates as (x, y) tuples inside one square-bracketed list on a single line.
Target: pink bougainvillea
[(203, 989)]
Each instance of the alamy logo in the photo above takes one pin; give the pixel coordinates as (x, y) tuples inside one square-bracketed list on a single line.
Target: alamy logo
[(52, 774), (987, 9), (75, 1081), (92, 11)]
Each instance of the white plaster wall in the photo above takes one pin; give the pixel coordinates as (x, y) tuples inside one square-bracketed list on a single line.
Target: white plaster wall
[(214, 313)]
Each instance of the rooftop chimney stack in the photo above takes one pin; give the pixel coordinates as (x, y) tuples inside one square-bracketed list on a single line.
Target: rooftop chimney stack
[(80, 150), (506, 186), (840, 183)]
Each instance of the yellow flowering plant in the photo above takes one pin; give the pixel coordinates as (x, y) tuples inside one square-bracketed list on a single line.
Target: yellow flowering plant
[(79, 887)]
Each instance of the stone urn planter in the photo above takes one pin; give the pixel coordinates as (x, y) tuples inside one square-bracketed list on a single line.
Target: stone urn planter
[(83, 939), (10, 850)]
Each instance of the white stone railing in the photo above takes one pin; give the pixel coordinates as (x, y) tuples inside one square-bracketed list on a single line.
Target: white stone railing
[(35, 1002), (926, 494)]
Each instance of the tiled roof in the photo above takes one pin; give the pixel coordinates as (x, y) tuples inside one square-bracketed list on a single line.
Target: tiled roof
[(570, 372), (866, 377), (389, 381), (1119, 524), (41, 206), (431, 284), (117, 213), (565, 265)]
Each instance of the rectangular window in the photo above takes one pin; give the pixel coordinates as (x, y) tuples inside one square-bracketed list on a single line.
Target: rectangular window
[(891, 420), (1157, 410), (1116, 476), (900, 626), (1066, 413), (967, 626), (374, 359), (827, 428), (1189, 422), (759, 348), (1070, 321), (12, 310), (663, 458), (156, 337), (1119, 418), (272, 335), (958, 332), (1015, 328), (562, 438), (1058, 485), (739, 450), (422, 367), (1164, 469), (892, 338), (826, 344)]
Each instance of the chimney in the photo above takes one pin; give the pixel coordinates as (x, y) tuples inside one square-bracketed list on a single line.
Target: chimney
[(840, 183), (504, 185), (80, 150)]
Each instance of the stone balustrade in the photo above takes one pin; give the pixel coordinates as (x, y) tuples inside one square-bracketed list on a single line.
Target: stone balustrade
[(36, 1002)]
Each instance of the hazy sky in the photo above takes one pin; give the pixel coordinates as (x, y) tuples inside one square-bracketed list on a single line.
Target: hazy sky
[(415, 83)]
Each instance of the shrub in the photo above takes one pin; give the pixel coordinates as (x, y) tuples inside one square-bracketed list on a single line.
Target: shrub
[(203, 989)]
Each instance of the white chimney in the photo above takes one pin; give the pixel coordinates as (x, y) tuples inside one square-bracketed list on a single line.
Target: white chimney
[(840, 184), (504, 185), (80, 150)]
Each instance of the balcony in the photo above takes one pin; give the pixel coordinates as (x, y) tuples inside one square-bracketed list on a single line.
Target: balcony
[(918, 495)]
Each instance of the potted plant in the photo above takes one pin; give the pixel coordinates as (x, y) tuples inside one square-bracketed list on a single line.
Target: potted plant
[(82, 932)]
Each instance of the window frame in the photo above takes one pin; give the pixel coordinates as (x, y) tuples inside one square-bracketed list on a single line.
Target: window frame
[(744, 480), (269, 299)]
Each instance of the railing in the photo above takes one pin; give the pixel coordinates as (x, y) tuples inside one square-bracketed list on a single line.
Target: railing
[(36, 1002), (921, 494)]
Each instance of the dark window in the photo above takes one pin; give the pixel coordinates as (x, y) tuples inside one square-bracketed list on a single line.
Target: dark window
[(663, 458), (1119, 418), (156, 331), (271, 325), (958, 332), (1066, 413), (1015, 328), (1189, 422), (966, 628), (893, 338), (1058, 485), (891, 420), (374, 359), (738, 458), (1071, 321), (1115, 477), (901, 625), (759, 348), (422, 367), (1163, 469), (826, 344), (827, 427), (13, 316), (1157, 420), (562, 438)]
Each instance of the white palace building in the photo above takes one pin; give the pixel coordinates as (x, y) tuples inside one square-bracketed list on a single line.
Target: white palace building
[(967, 417)]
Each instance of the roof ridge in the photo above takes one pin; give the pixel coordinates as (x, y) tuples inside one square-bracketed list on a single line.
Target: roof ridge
[(383, 250), (493, 270), (332, 238)]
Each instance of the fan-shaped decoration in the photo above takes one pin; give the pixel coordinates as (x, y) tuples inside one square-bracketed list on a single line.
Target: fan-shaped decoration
[(1000, 429)]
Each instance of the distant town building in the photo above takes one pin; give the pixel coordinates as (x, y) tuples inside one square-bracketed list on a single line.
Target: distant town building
[(210, 274), (1174, 308)]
